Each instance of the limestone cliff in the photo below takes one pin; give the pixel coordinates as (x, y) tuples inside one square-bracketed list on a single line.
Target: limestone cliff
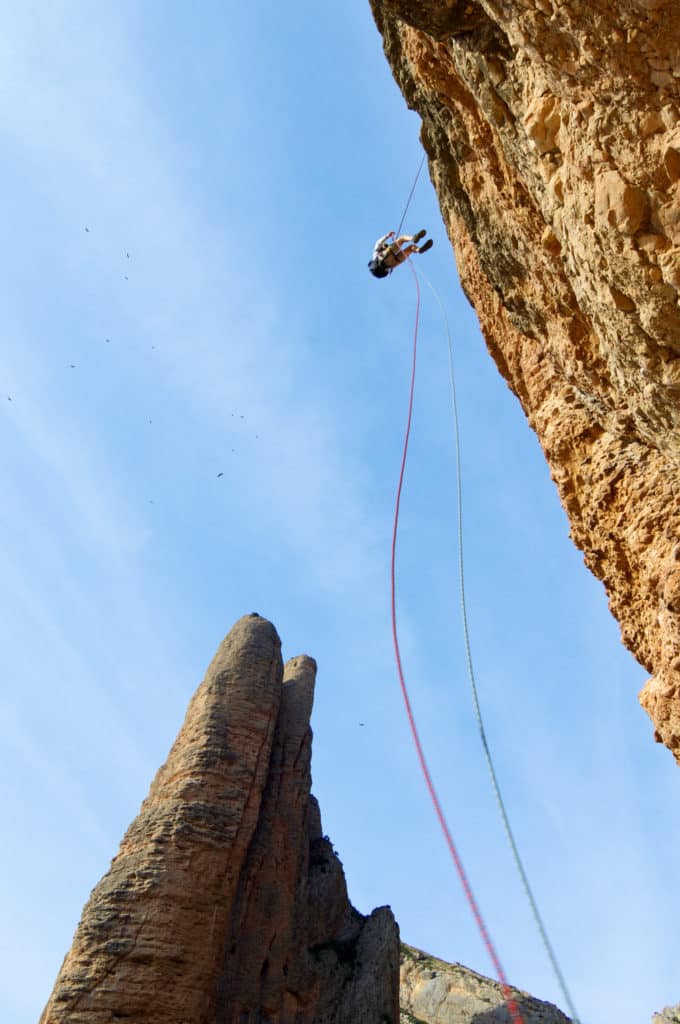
[(225, 903), (554, 145), (435, 992)]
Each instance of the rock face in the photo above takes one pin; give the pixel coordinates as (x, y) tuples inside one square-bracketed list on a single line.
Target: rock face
[(671, 1015), (553, 140), (225, 903), (434, 992)]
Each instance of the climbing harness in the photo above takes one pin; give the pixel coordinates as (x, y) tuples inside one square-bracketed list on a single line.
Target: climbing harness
[(507, 992), (473, 684)]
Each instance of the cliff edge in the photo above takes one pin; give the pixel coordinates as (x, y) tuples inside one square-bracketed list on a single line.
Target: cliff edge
[(435, 992), (225, 903), (553, 141)]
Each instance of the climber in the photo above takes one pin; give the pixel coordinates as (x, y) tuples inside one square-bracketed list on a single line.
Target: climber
[(388, 255)]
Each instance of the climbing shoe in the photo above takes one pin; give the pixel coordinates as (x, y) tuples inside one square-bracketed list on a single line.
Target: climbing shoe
[(421, 234), (428, 245)]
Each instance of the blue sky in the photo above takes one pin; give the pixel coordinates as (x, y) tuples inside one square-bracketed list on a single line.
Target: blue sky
[(246, 161)]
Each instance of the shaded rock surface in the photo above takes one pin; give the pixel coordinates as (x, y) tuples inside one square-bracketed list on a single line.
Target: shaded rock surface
[(553, 139), (225, 903), (435, 992)]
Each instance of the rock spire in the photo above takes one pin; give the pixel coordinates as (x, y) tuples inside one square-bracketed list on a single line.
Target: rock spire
[(225, 903)]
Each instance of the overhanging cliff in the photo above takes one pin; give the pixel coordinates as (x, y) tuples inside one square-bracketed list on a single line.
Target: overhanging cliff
[(553, 141)]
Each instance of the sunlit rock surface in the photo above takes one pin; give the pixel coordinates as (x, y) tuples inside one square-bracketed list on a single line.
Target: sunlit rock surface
[(435, 992), (225, 903), (553, 140), (671, 1015)]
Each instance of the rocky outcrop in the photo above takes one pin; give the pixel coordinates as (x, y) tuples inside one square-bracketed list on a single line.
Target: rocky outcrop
[(435, 992), (671, 1015), (553, 140), (225, 903)]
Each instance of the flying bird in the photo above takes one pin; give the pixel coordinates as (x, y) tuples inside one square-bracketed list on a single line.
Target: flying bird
[(127, 255), (72, 365), (107, 340), (220, 474), (87, 229)]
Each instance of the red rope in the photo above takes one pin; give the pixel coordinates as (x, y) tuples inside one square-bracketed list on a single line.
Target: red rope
[(507, 993)]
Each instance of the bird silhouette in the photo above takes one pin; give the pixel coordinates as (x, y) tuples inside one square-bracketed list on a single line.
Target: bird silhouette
[(87, 229), (220, 474)]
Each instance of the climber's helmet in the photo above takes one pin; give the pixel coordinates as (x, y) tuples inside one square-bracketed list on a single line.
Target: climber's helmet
[(378, 268)]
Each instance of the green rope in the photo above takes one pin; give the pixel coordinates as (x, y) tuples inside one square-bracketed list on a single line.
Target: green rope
[(471, 674)]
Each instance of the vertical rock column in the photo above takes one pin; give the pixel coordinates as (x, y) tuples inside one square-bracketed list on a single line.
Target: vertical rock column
[(297, 950), (263, 966), (225, 903), (151, 936)]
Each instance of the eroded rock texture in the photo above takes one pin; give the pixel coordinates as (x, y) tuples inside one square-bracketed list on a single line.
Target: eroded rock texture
[(435, 992), (671, 1015), (552, 132), (225, 903)]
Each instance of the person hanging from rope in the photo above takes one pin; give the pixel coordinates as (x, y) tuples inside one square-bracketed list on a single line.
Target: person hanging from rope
[(389, 254)]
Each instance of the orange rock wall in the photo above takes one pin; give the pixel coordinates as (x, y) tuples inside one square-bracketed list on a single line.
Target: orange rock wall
[(553, 138)]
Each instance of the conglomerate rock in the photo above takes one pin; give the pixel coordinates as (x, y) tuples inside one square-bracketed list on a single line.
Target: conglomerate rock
[(435, 992), (225, 903), (552, 132)]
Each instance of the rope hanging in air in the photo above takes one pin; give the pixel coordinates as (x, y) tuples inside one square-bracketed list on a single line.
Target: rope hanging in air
[(512, 1007), (473, 685), (410, 195), (507, 991)]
